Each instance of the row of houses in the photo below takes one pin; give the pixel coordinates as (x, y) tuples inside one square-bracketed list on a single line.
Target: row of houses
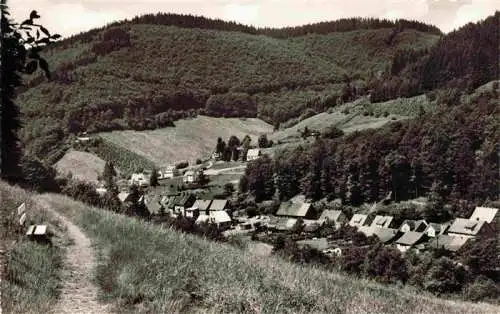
[(410, 234), (416, 234), (142, 179), (210, 210)]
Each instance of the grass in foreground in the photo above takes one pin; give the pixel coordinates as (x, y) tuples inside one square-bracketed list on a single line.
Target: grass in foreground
[(32, 275), (153, 270)]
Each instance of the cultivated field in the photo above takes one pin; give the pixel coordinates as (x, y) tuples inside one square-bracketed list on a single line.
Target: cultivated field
[(188, 140), (147, 269), (84, 166)]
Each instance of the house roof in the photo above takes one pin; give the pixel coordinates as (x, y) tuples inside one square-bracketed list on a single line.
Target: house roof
[(414, 224), (439, 228), (384, 234), (484, 213), (123, 196), (286, 224), (410, 238), (253, 152), (332, 215), (293, 209), (318, 244), (215, 217), (382, 221), (357, 220), (466, 226), (202, 204), (448, 242), (218, 205)]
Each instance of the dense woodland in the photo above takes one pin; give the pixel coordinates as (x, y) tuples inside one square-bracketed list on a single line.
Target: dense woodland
[(450, 153), (463, 59)]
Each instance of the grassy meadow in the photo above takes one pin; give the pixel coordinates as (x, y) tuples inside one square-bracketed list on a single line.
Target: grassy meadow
[(189, 140), (82, 165), (32, 275), (147, 269)]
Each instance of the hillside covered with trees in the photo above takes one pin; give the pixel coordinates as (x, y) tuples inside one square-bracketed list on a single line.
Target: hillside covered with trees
[(153, 70), (149, 72)]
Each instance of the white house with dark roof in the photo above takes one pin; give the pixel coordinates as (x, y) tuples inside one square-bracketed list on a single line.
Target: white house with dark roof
[(253, 153), (170, 172), (413, 225), (435, 229)]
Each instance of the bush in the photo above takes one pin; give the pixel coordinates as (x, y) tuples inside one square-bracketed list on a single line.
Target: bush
[(445, 276), (182, 165), (482, 288)]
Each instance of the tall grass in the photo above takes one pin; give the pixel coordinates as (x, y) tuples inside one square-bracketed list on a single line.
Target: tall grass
[(148, 269), (31, 279)]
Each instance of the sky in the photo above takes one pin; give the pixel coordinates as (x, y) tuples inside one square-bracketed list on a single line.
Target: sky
[(67, 17)]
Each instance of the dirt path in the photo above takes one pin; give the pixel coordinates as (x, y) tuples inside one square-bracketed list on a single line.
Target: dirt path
[(79, 294)]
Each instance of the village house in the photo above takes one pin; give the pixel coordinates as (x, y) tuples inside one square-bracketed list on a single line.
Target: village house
[(253, 153), (466, 228), (435, 229), (413, 225), (179, 203), (218, 205), (447, 242), (170, 172), (488, 214), (358, 220), (139, 179), (124, 197), (337, 217), (385, 235), (382, 221), (191, 176), (410, 240), (220, 218), (296, 210), (101, 191)]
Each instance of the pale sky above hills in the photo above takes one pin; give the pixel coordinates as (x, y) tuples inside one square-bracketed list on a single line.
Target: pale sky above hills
[(68, 17)]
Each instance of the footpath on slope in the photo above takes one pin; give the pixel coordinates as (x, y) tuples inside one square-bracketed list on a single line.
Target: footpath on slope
[(78, 294)]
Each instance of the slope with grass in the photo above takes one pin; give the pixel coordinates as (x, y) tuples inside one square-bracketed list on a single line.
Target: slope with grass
[(82, 165), (33, 272), (189, 140), (145, 269), (358, 115)]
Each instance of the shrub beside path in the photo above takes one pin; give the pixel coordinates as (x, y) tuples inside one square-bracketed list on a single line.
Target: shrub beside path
[(78, 294)]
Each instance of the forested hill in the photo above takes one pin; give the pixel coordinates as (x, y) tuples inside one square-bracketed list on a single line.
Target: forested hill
[(146, 73)]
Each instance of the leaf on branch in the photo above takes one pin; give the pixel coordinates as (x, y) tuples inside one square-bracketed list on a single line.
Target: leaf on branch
[(31, 67), (37, 34), (56, 36), (45, 40), (34, 15), (44, 66), (27, 22), (45, 31)]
